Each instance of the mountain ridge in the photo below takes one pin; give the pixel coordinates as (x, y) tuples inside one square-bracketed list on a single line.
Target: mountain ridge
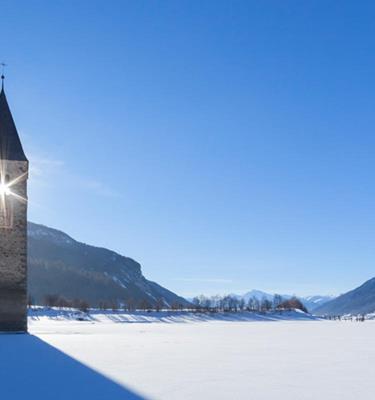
[(61, 265), (360, 300)]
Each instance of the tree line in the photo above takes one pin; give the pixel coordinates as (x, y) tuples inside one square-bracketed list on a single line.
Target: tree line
[(201, 303), (234, 304), (130, 304)]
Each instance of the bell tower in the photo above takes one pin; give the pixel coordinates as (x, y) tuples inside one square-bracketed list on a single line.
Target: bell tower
[(14, 168)]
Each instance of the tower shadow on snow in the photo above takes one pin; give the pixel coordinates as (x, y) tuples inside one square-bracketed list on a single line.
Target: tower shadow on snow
[(32, 369)]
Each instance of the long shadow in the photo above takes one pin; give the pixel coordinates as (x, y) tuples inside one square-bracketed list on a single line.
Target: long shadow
[(32, 369)]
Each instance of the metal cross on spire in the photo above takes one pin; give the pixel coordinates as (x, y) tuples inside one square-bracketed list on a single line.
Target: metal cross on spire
[(3, 65)]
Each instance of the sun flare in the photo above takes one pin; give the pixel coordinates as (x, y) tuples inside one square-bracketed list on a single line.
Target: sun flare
[(4, 190), (5, 187)]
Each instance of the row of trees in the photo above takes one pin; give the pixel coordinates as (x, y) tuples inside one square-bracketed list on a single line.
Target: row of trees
[(144, 305), (200, 304), (357, 318), (235, 304), (55, 300)]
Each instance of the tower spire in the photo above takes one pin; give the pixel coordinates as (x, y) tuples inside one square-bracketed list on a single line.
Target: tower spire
[(10, 144)]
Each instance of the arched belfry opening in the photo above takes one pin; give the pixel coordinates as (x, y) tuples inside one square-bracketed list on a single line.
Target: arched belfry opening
[(14, 169)]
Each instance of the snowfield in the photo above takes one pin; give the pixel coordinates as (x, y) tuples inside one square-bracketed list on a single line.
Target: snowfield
[(188, 356)]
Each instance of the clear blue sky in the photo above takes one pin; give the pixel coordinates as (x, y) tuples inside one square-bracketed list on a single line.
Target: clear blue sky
[(226, 145)]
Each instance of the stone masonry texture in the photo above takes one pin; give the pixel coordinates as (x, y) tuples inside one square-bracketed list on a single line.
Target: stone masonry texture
[(13, 255)]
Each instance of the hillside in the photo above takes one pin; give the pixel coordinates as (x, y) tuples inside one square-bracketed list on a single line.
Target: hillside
[(358, 301), (58, 264)]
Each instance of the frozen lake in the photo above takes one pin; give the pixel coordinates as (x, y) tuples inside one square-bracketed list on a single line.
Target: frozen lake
[(214, 359)]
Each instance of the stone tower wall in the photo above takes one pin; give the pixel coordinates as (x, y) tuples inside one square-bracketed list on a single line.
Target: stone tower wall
[(13, 255)]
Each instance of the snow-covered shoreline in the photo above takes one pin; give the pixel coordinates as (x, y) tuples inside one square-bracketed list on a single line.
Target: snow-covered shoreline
[(100, 316)]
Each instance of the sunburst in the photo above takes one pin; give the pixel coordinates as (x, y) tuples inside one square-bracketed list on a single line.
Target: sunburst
[(6, 188)]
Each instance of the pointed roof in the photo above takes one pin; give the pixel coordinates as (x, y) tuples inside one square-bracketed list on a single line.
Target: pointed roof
[(10, 144)]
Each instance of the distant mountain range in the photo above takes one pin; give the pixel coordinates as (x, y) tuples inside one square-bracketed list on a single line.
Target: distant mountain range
[(60, 265), (358, 301), (310, 302)]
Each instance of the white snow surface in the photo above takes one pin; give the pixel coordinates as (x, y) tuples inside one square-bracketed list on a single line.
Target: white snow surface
[(182, 356)]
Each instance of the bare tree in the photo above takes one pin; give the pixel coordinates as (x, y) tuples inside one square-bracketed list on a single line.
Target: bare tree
[(159, 304), (277, 300), (292, 303), (265, 305), (197, 303), (144, 305), (81, 305), (30, 301), (51, 300)]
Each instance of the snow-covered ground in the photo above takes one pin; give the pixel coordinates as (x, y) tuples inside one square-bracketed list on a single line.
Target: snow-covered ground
[(98, 316), (185, 356)]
